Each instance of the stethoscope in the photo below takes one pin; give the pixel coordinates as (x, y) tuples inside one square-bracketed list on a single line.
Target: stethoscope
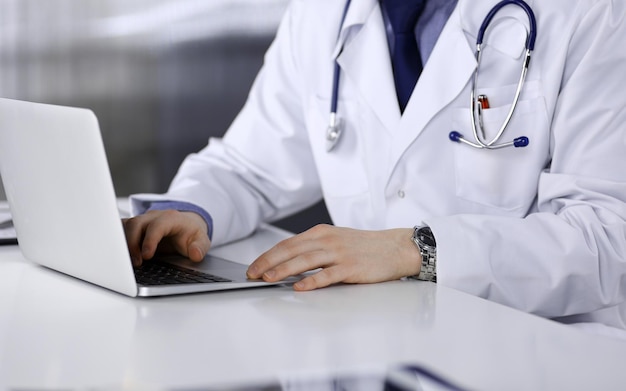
[(478, 103)]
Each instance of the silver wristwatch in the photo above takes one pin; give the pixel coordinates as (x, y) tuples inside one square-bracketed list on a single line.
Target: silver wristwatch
[(425, 241)]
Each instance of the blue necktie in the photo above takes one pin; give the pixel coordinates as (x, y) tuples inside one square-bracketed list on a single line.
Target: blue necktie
[(406, 61)]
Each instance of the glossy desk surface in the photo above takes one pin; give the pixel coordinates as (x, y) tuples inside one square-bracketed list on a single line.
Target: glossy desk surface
[(59, 332)]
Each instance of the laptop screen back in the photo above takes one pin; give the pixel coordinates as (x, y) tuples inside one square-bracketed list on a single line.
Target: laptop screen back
[(57, 181)]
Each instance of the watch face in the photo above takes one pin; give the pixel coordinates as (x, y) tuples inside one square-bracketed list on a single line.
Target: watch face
[(426, 236)]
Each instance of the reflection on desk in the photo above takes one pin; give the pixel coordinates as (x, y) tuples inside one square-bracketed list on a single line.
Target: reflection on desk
[(59, 332), (397, 378), (7, 231)]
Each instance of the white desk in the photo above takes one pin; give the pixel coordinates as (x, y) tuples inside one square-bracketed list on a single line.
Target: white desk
[(58, 332)]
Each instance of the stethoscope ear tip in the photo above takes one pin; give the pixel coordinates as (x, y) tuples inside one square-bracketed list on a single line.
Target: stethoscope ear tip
[(521, 142), (455, 136)]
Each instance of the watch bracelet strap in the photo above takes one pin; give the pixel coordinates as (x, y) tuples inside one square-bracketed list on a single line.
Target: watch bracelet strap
[(428, 271)]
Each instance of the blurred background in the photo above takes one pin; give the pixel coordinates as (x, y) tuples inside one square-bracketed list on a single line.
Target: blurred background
[(161, 75)]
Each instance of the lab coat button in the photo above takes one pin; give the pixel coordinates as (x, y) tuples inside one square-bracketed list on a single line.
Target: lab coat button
[(401, 193)]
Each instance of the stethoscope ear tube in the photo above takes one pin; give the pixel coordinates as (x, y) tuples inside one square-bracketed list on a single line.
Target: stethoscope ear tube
[(335, 127), (532, 36), (477, 102)]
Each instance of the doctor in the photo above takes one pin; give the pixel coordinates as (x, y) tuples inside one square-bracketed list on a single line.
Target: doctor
[(541, 228)]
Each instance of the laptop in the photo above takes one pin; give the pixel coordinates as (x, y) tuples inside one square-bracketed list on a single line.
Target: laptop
[(58, 185)]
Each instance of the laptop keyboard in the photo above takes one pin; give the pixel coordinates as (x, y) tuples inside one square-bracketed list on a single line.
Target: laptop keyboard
[(163, 273)]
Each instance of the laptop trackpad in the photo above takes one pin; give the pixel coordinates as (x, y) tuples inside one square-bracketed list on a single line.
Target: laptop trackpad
[(212, 265)]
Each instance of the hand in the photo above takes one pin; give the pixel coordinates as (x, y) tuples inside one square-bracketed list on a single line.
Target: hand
[(166, 231), (343, 254)]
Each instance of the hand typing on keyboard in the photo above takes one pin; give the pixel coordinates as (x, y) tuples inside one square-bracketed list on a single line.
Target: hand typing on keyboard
[(166, 232)]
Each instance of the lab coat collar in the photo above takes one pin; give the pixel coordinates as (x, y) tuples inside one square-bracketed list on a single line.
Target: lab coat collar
[(365, 61), (357, 15)]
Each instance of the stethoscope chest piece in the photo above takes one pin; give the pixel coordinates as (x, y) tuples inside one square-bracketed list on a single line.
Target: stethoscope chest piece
[(333, 132)]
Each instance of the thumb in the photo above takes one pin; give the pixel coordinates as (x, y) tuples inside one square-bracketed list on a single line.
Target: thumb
[(198, 247)]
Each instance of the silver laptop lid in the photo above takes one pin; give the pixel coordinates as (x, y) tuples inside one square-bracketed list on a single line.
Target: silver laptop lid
[(57, 181)]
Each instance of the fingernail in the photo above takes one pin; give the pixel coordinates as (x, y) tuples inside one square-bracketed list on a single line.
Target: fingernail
[(195, 253), (299, 285), (252, 272), (269, 275)]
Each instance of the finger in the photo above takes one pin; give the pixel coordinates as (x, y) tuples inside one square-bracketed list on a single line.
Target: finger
[(154, 233), (198, 247), (268, 260), (321, 279), (134, 231), (288, 249), (165, 231), (190, 236), (297, 265)]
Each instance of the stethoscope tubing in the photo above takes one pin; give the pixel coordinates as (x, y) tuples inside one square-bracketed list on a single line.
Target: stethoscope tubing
[(532, 36), (333, 133), (335, 128), (475, 105)]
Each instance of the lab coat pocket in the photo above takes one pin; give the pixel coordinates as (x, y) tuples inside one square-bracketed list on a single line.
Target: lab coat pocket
[(507, 178), (341, 170)]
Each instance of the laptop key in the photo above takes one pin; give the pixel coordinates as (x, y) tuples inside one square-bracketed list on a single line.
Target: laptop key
[(161, 273)]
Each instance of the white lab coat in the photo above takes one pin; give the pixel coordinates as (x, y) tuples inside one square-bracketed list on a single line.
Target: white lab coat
[(541, 228)]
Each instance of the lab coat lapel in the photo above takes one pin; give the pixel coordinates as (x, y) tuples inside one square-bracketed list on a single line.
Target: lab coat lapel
[(365, 62), (446, 74)]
